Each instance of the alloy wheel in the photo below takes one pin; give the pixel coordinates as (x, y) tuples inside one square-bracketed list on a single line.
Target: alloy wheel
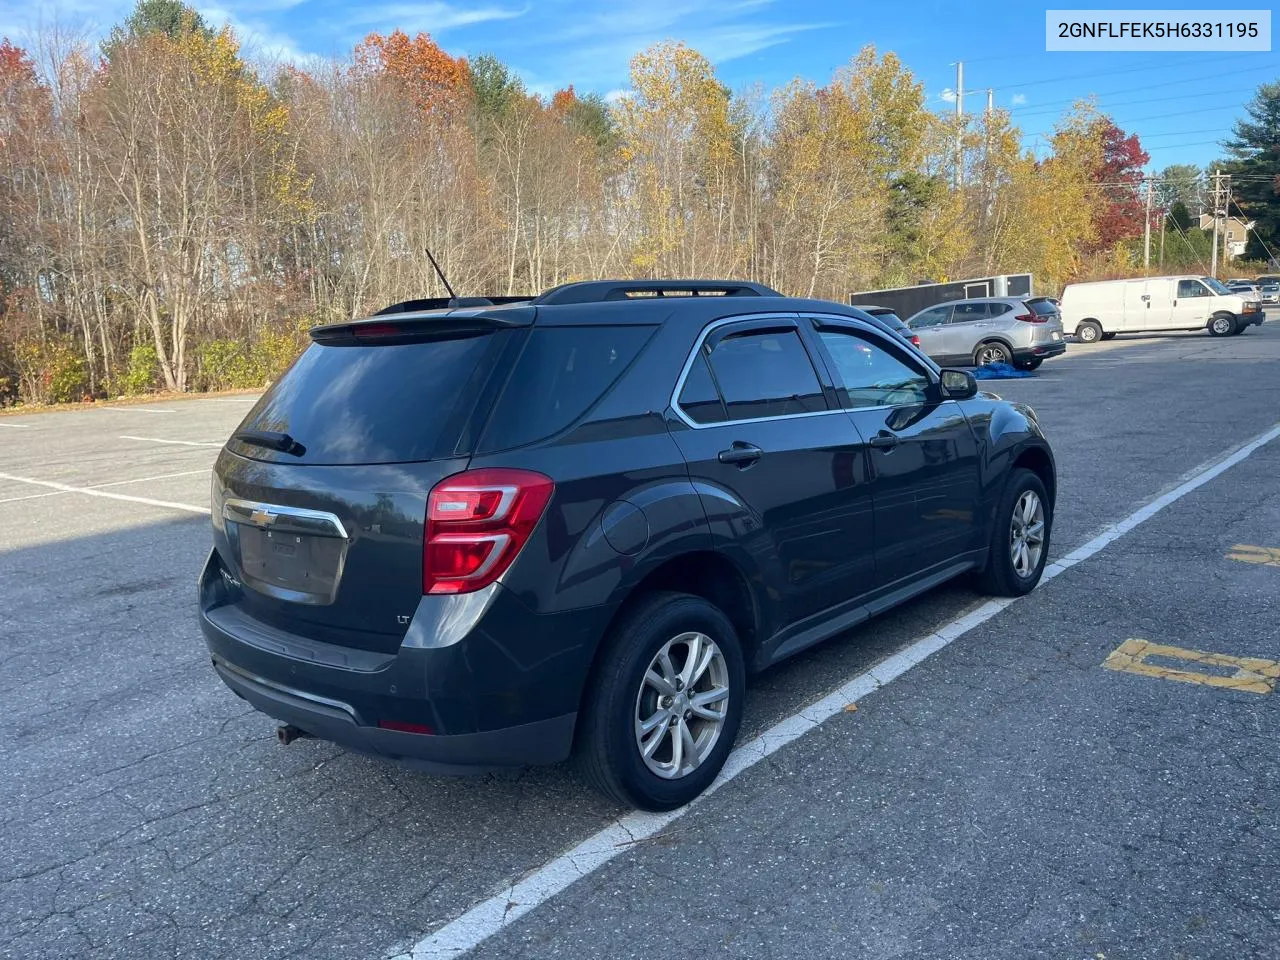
[(1026, 534), (681, 705)]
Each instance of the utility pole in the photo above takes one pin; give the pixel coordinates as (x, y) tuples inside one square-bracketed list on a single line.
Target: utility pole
[(1164, 227), (1226, 214), (1146, 231), (959, 124), (1217, 180)]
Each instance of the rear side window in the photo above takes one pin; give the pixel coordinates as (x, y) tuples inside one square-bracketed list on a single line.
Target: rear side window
[(766, 374), (966, 312), (1044, 308), (386, 403), (561, 373)]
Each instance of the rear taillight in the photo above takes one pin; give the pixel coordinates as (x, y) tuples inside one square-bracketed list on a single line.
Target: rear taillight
[(1031, 318), (477, 522), (915, 341)]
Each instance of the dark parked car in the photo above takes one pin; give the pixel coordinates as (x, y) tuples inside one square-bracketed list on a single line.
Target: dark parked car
[(473, 536), (895, 323)]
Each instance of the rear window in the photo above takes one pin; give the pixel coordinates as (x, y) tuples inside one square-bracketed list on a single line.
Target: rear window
[(1043, 308), (561, 373), (374, 404)]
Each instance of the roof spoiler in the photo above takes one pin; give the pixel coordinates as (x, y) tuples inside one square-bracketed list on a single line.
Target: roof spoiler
[(447, 303), (598, 291)]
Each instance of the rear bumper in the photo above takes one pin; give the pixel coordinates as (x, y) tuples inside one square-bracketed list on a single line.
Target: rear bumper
[(496, 684), (542, 741), (1041, 351)]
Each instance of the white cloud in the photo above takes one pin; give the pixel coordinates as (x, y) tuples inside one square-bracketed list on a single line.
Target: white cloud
[(614, 96), (1017, 100), (947, 95), (434, 17)]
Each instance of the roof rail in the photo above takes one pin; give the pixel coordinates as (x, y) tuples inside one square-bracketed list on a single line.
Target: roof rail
[(597, 291), (447, 303)]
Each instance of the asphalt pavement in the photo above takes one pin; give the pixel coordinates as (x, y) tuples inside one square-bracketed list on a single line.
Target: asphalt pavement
[(1009, 797)]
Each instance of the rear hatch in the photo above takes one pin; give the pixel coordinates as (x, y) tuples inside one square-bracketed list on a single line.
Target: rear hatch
[(319, 498), (1049, 327)]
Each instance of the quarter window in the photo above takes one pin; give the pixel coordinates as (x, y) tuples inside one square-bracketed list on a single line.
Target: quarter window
[(871, 375), (765, 374), (699, 399)]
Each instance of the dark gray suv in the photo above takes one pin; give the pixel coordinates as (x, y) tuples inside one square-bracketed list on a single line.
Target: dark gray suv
[(464, 535)]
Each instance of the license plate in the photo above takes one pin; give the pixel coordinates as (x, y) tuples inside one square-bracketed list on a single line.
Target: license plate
[(289, 561)]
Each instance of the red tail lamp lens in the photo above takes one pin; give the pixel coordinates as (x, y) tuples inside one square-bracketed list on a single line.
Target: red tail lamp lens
[(477, 524)]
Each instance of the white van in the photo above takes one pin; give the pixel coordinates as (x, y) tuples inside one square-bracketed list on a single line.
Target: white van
[(1098, 311)]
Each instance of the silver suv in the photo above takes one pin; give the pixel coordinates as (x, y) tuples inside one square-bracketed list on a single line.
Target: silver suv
[(991, 330)]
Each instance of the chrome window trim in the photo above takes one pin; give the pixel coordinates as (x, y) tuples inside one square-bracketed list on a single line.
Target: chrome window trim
[(860, 325), (295, 519)]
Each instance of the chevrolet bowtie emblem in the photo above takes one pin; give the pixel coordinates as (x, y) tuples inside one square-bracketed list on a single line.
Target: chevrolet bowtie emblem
[(263, 518)]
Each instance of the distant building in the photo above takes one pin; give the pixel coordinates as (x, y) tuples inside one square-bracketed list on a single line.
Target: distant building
[(1237, 232)]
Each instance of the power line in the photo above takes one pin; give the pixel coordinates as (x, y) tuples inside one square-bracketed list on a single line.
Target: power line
[(1127, 103), (1165, 116), (1107, 73), (1158, 86)]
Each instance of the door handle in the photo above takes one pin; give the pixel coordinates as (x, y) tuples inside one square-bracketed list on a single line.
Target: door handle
[(884, 440), (743, 454)]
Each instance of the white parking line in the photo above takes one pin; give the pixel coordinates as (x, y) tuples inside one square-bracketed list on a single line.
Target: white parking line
[(179, 443), (496, 913), (162, 476), (91, 492), (231, 399), (32, 496), (16, 426), (137, 409)]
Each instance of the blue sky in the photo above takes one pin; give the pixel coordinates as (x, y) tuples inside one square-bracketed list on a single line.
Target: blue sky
[(1180, 104)]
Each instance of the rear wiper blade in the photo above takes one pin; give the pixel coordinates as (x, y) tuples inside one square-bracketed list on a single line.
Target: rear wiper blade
[(271, 440)]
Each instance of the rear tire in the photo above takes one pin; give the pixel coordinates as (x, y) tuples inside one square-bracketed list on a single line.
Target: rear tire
[(1030, 364), (1002, 577), (1222, 326), (991, 352), (1089, 331), (621, 697)]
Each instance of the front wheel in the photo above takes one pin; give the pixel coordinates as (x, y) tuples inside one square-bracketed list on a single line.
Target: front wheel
[(1222, 326), (1019, 545), (665, 703)]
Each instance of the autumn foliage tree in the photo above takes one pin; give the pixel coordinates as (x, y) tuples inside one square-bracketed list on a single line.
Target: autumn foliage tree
[(172, 216)]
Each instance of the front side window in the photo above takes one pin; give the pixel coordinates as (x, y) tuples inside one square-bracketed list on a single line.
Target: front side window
[(930, 318), (1191, 288), (870, 374), (765, 374)]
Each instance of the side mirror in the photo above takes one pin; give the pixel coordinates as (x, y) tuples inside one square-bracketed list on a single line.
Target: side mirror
[(958, 385)]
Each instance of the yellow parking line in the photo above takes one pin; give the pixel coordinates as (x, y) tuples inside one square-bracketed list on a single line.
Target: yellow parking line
[(1252, 674), (1245, 553)]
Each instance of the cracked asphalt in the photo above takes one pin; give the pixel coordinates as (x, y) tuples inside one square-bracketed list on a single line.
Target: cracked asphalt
[(1009, 797)]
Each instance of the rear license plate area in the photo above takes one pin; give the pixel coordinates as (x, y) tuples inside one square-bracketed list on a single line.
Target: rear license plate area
[(290, 565)]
